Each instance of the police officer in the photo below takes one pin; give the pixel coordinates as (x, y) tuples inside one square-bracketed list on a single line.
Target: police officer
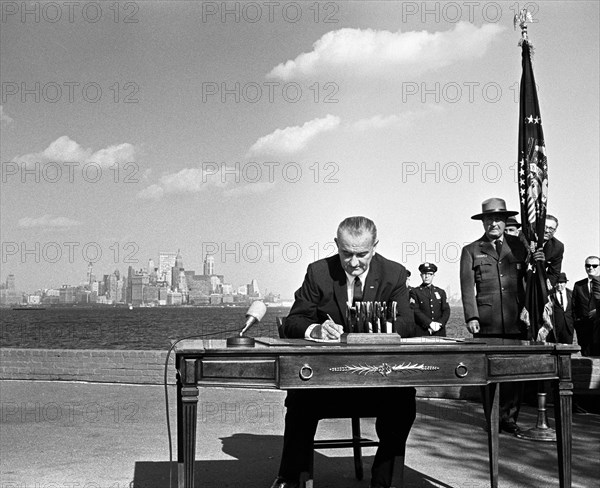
[(429, 304)]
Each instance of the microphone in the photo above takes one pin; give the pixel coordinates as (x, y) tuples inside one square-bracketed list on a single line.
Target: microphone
[(255, 313)]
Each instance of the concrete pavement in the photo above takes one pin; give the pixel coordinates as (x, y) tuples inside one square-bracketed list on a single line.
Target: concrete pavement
[(88, 435)]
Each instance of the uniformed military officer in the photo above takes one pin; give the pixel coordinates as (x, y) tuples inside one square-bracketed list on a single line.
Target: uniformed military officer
[(429, 304)]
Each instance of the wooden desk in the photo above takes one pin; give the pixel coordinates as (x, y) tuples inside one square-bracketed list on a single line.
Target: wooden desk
[(298, 364)]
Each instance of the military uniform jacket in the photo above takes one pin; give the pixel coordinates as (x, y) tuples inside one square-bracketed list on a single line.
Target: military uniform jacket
[(430, 305), (492, 287)]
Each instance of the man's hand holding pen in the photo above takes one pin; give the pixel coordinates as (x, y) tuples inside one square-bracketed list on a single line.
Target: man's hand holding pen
[(328, 331)]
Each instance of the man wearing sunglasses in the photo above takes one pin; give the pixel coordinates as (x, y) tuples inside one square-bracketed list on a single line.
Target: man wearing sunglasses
[(586, 298)]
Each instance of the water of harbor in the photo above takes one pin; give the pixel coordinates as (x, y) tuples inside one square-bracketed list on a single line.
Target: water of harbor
[(139, 328), (122, 328)]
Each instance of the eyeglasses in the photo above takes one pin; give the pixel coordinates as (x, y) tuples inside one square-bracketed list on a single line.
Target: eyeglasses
[(550, 229), (591, 266)]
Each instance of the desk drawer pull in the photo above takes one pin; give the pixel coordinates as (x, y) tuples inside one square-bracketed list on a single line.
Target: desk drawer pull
[(306, 372), (461, 370)]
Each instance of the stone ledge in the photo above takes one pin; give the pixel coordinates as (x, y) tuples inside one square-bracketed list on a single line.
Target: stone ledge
[(586, 375), (91, 365)]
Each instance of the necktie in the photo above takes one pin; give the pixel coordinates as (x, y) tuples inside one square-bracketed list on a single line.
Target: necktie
[(560, 298), (357, 290), (498, 246)]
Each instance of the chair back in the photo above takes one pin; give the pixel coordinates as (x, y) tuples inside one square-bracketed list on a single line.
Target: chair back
[(280, 323)]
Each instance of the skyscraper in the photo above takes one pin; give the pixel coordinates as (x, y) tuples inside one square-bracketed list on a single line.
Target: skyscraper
[(209, 265), (90, 274), (166, 261), (253, 289), (177, 266)]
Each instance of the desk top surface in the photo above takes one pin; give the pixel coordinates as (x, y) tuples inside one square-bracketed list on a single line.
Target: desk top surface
[(269, 346)]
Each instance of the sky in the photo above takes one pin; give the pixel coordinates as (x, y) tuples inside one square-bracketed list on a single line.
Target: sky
[(249, 130)]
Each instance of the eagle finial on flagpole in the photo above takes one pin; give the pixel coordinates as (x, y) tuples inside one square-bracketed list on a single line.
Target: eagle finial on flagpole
[(521, 19)]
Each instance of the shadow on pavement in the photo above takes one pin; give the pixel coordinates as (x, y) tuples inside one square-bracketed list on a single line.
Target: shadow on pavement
[(255, 464), (447, 448)]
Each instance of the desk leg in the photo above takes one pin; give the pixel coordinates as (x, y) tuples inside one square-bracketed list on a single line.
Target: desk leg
[(179, 435), (563, 415), (491, 408), (189, 398)]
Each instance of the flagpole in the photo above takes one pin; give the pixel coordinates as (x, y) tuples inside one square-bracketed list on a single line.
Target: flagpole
[(541, 432)]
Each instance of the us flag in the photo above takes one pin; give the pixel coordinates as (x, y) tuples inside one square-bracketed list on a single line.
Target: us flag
[(533, 197)]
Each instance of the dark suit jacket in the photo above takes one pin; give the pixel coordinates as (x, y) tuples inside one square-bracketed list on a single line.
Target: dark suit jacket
[(562, 318), (582, 304), (492, 287), (553, 250), (323, 293), (587, 324)]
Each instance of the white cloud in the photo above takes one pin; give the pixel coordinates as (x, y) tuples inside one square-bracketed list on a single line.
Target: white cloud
[(187, 180), (196, 180), (402, 120), (292, 139), (122, 153), (65, 149), (368, 52), (47, 221), (378, 122), (62, 150), (5, 119)]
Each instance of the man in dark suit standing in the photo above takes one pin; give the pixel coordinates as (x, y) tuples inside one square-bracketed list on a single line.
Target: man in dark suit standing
[(356, 273), (585, 305), (512, 227), (553, 251), (562, 312), (429, 304), (492, 283)]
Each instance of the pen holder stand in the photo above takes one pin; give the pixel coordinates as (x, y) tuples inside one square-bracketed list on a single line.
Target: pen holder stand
[(372, 317)]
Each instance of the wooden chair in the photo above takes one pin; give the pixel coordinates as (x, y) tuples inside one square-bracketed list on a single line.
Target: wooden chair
[(357, 442)]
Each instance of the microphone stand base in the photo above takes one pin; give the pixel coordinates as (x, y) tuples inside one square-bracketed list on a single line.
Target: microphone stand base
[(237, 341)]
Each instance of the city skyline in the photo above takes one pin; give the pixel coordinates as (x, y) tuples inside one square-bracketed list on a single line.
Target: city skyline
[(91, 274), (130, 126)]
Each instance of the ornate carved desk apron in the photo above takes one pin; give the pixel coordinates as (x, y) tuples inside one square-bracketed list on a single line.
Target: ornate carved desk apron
[(296, 364)]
